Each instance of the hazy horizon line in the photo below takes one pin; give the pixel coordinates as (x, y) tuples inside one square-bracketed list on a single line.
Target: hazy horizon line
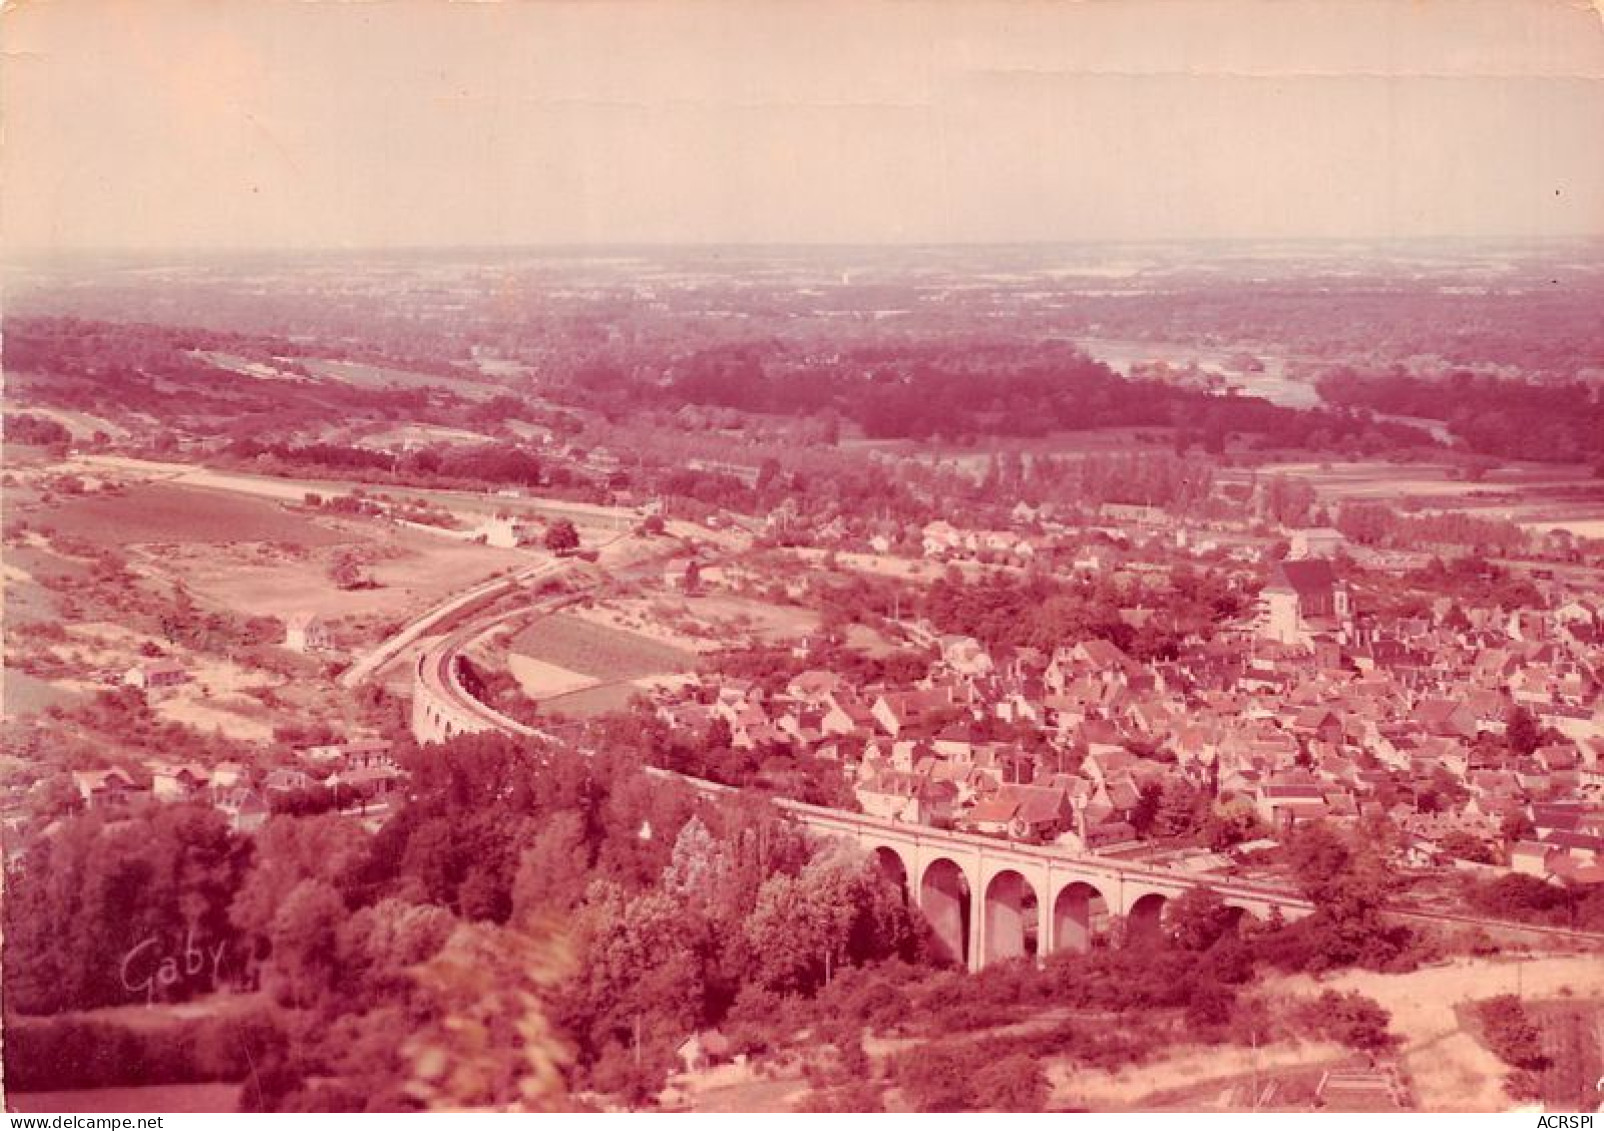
[(14, 255)]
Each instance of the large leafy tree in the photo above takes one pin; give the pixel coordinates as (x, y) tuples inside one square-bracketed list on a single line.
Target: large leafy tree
[(1522, 731), (304, 935), (562, 537), (839, 910), (1198, 919), (378, 945), (646, 969), (289, 850), (554, 870), (1348, 882)]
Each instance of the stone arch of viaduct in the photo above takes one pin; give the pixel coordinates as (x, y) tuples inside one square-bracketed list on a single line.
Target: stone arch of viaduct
[(990, 901)]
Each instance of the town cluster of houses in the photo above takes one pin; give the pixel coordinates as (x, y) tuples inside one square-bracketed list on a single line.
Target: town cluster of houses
[(1115, 536), (1305, 714), (362, 778), (943, 541), (1309, 711), (1107, 536)]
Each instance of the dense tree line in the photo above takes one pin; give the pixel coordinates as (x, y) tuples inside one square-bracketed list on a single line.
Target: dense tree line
[(25, 428), (1476, 584), (1376, 524), (476, 463), (82, 1051), (94, 913), (1041, 611), (981, 1041), (921, 392), (1527, 899), (1559, 422)]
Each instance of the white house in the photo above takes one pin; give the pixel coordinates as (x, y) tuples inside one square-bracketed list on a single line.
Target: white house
[(307, 632), (157, 675)]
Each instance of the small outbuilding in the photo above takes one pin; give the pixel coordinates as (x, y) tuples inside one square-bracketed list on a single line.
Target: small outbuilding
[(703, 1049)]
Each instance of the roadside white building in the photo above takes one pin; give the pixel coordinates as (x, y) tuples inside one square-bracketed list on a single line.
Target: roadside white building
[(307, 632)]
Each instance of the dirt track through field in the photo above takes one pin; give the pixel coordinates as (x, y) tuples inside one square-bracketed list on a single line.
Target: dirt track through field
[(1448, 1068)]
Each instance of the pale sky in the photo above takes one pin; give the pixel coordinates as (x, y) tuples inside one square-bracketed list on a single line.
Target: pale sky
[(313, 123)]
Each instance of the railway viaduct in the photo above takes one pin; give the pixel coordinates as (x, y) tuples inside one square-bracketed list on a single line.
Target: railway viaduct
[(986, 899)]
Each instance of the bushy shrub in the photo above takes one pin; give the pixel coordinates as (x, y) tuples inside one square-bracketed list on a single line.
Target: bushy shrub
[(1010, 1083), (874, 996), (1347, 1018), (1509, 1032), (1322, 942), (1523, 898), (634, 1075), (939, 1076), (1209, 1004), (759, 1019)]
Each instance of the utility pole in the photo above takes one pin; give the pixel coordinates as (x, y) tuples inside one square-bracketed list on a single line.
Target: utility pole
[(1255, 1069)]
